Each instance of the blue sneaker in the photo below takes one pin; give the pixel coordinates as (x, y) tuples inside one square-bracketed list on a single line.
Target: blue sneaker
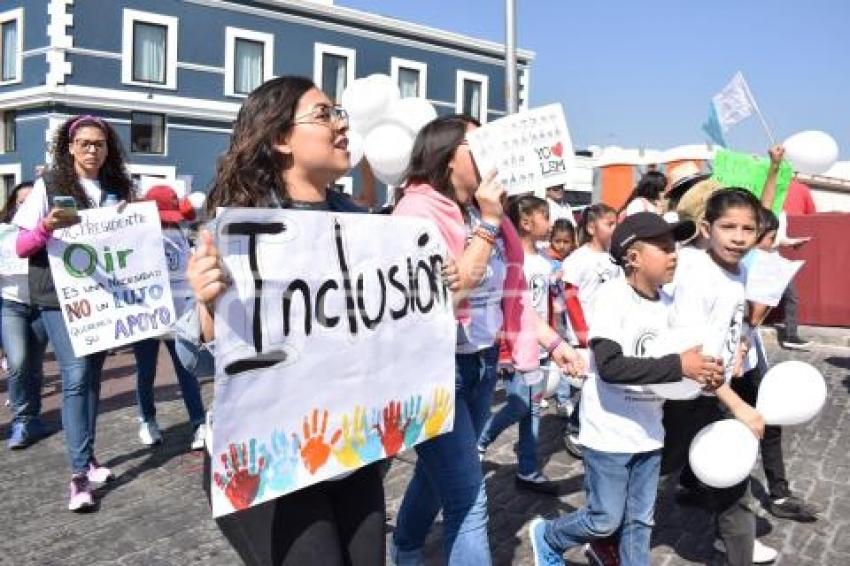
[(19, 438), (544, 555)]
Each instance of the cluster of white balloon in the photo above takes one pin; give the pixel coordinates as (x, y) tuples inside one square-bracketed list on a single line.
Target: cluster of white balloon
[(811, 152), (382, 125)]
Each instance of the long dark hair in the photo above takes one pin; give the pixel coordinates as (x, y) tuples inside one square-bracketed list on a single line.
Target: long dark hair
[(249, 174), (11, 205), (650, 187), (112, 175), (519, 207), (432, 150), (590, 215)]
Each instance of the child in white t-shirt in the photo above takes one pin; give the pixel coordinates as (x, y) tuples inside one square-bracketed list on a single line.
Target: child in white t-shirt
[(621, 420)]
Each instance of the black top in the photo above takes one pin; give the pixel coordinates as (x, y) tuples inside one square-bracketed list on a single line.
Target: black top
[(614, 367)]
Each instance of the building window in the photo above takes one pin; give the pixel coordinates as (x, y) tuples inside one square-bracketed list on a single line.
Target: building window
[(149, 55), (10, 175), (7, 131), (333, 69), (11, 45), (472, 95), (147, 133), (410, 76), (247, 61)]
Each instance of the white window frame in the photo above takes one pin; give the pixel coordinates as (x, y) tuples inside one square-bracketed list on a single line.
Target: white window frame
[(8, 16), (231, 34), (164, 134), (170, 23), (320, 49), (397, 63), (164, 171), (485, 84), (11, 169), (347, 184)]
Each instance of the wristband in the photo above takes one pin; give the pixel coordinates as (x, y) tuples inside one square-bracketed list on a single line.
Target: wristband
[(485, 235), (491, 229), (553, 345)]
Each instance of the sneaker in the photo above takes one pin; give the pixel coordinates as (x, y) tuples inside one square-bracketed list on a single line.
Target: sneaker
[(572, 444), (762, 554), (81, 498), (20, 437), (149, 433), (544, 404), (796, 343), (199, 438), (603, 552), (564, 410), (793, 508), (98, 473), (544, 555), (536, 482)]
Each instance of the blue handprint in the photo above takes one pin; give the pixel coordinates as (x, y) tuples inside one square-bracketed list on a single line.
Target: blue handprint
[(414, 418), (281, 463), (371, 449)]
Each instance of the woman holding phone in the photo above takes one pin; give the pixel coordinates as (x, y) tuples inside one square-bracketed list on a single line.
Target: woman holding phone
[(87, 171)]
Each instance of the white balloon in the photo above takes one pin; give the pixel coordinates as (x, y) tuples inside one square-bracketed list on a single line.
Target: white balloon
[(413, 113), (388, 146), (811, 152), (791, 393), (723, 453), (197, 199), (367, 100), (355, 147), (677, 390)]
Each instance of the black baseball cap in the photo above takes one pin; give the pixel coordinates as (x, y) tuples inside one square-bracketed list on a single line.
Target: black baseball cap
[(645, 225)]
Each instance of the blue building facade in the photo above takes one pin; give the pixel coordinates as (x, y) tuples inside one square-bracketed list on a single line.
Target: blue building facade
[(170, 75)]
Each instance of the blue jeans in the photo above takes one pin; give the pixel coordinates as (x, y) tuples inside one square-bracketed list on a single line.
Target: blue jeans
[(620, 491), (80, 391), (448, 476), (24, 340), (146, 353), (523, 407)]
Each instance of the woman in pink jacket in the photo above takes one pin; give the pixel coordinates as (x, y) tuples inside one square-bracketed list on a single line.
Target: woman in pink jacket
[(443, 185)]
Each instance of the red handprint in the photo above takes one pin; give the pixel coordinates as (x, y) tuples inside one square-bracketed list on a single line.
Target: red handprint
[(315, 451), (242, 474), (392, 434)]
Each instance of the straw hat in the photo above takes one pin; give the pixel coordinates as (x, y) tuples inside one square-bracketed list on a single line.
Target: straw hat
[(692, 205), (683, 177)]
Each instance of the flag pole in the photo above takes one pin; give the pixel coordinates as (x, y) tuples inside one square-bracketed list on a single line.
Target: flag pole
[(759, 114)]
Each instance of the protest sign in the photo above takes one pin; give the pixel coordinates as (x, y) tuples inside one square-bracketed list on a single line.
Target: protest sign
[(334, 348), (530, 150), (10, 263), (734, 169), (768, 274), (111, 277)]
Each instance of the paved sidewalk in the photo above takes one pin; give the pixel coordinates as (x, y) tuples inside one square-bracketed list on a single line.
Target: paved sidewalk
[(156, 513)]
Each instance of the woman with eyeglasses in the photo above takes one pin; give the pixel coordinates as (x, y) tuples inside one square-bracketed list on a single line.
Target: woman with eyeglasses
[(289, 144), (88, 167)]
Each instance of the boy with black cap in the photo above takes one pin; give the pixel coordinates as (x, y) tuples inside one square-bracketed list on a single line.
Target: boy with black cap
[(621, 420)]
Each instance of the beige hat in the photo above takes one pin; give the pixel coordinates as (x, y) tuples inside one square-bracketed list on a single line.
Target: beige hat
[(692, 205), (683, 177)]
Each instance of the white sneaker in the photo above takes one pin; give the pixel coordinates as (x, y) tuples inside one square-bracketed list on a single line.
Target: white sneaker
[(149, 433), (544, 404), (762, 554), (199, 438)]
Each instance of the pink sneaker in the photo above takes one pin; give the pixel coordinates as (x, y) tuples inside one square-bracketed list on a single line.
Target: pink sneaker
[(81, 497), (98, 473)]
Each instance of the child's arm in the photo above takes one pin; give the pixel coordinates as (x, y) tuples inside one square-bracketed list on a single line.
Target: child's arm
[(741, 410), (614, 367), (769, 191)]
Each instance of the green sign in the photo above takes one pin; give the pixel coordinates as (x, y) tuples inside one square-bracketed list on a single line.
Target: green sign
[(734, 169)]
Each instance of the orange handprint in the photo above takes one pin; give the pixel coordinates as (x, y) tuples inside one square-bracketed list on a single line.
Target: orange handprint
[(440, 409), (315, 451)]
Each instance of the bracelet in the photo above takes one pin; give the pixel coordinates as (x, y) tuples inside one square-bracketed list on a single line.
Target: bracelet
[(553, 345), (491, 229), (485, 235)]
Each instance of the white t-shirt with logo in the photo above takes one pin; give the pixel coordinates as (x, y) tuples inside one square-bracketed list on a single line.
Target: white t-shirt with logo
[(587, 269), (36, 206), (624, 418), (538, 271)]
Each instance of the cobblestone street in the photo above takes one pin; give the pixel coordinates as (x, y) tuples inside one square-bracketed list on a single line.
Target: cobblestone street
[(156, 512)]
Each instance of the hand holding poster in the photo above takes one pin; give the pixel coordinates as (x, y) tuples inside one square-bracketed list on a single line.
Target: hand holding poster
[(111, 278), (768, 275), (734, 169), (531, 150), (10, 263), (334, 348)]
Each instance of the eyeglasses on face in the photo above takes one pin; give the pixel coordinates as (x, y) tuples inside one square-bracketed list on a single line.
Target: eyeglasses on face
[(323, 114), (85, 145)]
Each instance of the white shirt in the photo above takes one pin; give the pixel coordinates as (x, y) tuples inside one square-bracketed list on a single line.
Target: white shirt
[(624, 418), (537, 271), (13, 286), (557, 211), (587, 269), (641, 204), (177, 252), (36, 207)]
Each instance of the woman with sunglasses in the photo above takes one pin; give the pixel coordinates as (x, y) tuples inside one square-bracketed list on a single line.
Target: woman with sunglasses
[(289, 144), (88, 167)]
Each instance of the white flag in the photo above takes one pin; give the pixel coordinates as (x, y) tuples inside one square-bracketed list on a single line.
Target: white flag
[(734, 103)]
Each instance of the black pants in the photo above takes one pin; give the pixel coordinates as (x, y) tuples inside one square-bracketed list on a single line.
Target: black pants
[(734, 519), (789, 304), (747, 387), (333, 523)]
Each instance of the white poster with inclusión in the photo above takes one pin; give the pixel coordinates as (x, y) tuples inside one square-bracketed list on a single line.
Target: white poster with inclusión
[(334, 348), (111, 277), (531, 150)]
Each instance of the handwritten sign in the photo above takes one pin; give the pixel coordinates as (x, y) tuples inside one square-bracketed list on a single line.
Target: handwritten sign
[(734, 169), (334, 348), (768, 275), (531, 150), (111, 277), (10, 263)]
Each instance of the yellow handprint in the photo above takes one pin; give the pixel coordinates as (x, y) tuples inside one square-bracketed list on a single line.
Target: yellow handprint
[(352, 439), (440, 409)]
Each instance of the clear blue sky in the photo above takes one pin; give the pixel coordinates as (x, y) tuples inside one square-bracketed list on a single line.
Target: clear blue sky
[(642, 73)]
